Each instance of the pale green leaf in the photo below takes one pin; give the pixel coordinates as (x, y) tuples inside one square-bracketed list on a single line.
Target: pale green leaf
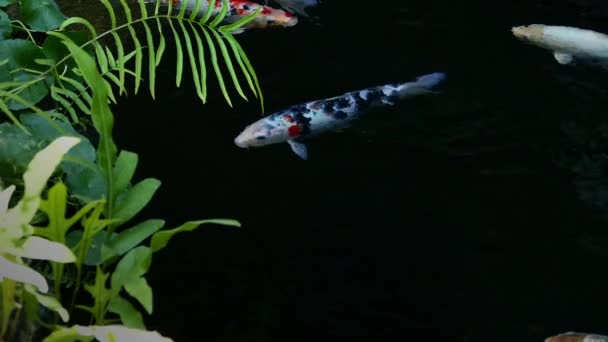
[(50, 303), (132, 201), (129, 315), (161, 239), (22, 274), (38, 248), (130, 238)]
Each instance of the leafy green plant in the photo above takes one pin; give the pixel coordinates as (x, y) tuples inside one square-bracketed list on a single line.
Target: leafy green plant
[(30, 72), (84, 223)]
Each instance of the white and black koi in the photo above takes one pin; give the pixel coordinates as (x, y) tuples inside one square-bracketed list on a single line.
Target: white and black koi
[(299, 122), (568, 44), (577, 337)]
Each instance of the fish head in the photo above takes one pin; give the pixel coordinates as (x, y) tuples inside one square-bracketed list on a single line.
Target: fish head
[(260, 133), (532, 33)]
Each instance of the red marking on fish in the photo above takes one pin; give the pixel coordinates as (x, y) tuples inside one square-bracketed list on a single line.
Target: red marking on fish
[(266, 10), (289, 118), (294, 130)]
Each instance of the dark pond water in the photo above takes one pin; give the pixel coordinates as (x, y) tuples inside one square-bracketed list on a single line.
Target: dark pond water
[(474, 215)]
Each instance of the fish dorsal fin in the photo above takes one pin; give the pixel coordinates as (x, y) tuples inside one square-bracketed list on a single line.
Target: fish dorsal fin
[(563, 58), (299, 149)]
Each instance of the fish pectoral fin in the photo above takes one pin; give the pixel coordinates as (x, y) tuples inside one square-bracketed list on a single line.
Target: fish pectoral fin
[(563, 58), (299, 149)]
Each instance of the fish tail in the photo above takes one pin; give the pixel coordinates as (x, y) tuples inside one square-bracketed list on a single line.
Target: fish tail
[(431, 81), (423, 85)]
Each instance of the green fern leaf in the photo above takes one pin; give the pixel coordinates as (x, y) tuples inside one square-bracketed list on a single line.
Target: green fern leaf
[(161, 43), (197, 7), (201, 61), (180, 55), (64, 103), (151, 60), (192, 59), (223, 11), (216, 67), (228, 62), (72, 96)]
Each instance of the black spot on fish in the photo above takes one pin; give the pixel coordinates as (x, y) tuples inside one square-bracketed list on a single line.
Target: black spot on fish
[(328, 105), (298, 115), (340, 115), (393, 98), (342, 102), (371, 97), (260, 137), (298, 109)]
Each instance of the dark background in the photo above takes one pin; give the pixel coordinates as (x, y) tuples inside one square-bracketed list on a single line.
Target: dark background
[(474, 215)]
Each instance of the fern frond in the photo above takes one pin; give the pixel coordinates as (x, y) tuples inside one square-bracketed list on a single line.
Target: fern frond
[(228, 62), (116, 64), (216, 66), (64, 103), (74, 97), (192, 59)]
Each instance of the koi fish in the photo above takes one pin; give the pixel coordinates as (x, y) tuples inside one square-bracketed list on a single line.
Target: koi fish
[(297, 6), (577, 337), (569, 44), (295, 124), (268, 17)]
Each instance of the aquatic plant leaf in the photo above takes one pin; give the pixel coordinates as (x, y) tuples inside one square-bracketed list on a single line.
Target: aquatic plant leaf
[(83, 176), (129, 315), (94, 251), (39, 170), (220, 16), (5, 26), (161, 239), (179, 51), (192, 59), (103, 119), (133, 200), (132, 266), (141, 290), (4, 3), (129, 274), (35, 247), (105, 333), (130, 238), (22, 274), (216, 66), (67, 335), (41, 15), (16, 150), (55, 50), (125, 166), (228, 63), (20, 55), (49, 302), (201, 63)]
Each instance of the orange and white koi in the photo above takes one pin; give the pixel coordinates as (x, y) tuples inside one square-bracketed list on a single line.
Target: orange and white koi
[(268, 17)]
